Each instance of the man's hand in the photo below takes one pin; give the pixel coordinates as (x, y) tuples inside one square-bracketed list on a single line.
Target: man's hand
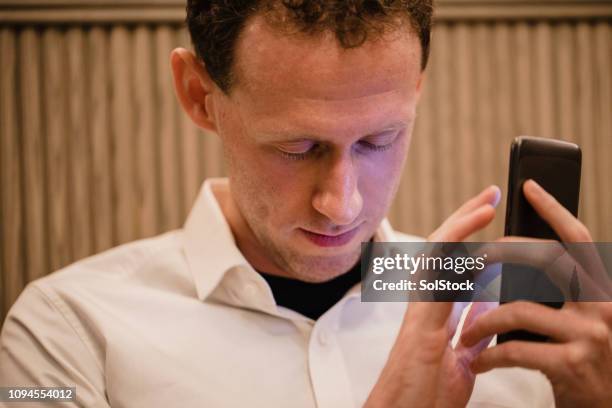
[(579, 361), (423, 370)]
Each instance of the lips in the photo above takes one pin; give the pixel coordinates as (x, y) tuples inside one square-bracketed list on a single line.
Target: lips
[(324, 240)]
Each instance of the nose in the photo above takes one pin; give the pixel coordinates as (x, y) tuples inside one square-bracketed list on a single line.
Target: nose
[(337, 196)]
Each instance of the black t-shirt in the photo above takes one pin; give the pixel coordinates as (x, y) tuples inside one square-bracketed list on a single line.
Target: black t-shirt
[(312, 299)]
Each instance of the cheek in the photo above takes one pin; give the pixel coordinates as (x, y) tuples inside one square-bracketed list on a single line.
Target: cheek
[(378, 195), (269, 191), (287, 188), (274, 192)]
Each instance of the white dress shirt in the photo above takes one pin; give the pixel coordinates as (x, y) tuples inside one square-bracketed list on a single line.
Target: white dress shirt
[(183, 320)]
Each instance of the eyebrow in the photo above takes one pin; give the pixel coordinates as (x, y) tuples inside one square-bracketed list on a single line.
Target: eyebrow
[(291, 136), (396, 125)]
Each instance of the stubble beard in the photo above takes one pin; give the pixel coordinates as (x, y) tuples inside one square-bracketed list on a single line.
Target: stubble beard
[(295, 263)]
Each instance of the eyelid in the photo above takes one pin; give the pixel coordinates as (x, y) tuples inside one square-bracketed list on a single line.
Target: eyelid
[(300, 149), (296, 147), (382, 139)]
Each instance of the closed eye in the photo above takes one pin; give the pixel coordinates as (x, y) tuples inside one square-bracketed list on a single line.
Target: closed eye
[(298, 150), (304, 148), (376, 147), (380, 142), (293, 156)]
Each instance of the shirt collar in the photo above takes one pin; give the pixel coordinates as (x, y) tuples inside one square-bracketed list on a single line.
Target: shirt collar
[(210, 247)]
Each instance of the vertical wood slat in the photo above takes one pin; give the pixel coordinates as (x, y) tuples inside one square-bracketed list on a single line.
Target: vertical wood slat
[(168, 139), (146, 187), (503, 100), (58, 199), (585, 125), (426, 195), (603, 69), (125, 218), (464, 114), (444, 156), (523, 79), (467, 150), (10, 176), (403, 208), (79, 146), (484, 89), (33, 155), (99, 131), (544, 75), (565, 62)]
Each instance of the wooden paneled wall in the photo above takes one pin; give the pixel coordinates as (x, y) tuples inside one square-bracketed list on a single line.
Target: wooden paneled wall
[(95, 151)]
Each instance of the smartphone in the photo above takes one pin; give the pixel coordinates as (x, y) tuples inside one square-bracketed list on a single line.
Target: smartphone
[(555, 165)]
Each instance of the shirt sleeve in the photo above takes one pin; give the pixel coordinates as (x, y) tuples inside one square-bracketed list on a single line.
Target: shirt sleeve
[(40, 346)]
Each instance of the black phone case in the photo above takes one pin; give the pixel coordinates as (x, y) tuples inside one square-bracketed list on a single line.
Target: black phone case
[(555, 165)]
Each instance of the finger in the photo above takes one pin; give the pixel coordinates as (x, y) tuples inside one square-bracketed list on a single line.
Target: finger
[(490, 195), (529, 316), (461, 228), (528, 251), (558, 217), (568, 227), (476, 310), (598, 312), (521, 250), (545, 357)]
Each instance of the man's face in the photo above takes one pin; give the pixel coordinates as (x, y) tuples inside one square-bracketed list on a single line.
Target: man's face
[(315, 138)]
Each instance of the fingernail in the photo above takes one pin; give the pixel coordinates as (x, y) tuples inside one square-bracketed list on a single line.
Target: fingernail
[(497, 198)]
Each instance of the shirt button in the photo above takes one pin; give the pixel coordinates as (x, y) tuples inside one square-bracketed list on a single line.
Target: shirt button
[(323, 338)]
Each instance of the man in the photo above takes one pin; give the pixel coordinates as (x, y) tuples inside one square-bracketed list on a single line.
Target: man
[(255, 302)]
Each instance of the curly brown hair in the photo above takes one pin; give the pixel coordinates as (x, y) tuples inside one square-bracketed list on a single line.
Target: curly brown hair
[(214, 25)]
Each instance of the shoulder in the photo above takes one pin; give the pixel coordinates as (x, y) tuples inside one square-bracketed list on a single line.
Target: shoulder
[(79, 302), (118, 265), (118, 278)]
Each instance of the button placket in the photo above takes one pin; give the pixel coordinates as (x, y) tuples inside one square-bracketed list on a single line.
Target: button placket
[(327, 370)]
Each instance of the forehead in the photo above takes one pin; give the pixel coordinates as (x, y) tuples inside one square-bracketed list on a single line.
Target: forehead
[(312, 78), (316, 66)]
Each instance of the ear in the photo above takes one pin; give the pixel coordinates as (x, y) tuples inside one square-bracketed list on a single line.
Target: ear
[(194, 88)]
